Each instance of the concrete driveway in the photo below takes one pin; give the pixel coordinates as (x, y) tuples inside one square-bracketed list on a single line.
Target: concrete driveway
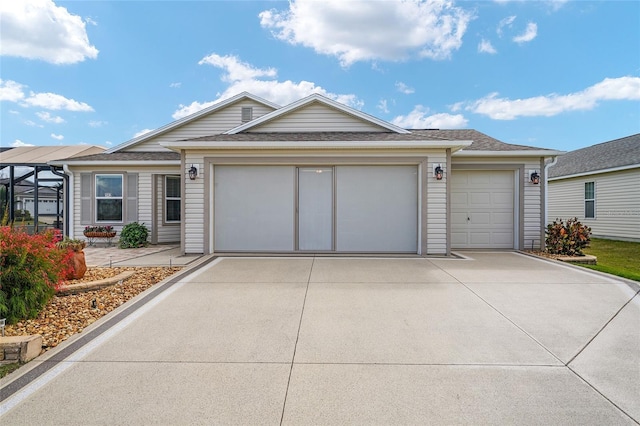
[(497, 338)]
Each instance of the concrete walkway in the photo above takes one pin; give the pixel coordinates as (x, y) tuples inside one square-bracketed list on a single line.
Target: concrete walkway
[(153, 255), (498, 338)]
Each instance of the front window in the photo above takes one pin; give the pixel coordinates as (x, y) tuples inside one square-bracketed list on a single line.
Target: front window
[(590, 200), (172, 198), (109, 198)]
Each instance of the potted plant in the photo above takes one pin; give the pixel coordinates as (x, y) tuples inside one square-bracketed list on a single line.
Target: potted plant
[(77, 261), (99, 231)]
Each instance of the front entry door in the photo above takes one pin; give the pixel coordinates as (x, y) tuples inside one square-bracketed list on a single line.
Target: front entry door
[(315, 208)]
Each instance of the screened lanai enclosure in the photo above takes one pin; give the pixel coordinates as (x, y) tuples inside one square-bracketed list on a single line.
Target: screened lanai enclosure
[(33, 194)]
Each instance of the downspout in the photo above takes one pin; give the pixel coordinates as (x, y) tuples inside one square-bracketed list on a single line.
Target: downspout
[(66, 211), (546, 189)]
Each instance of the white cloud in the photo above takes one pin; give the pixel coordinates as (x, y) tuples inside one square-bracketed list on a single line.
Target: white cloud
[(18, 143), (529, 34), (55, 102), (141, 132), (403, 88), (58, 137), (236, 69), (13, 111), (13, 92), (382, 106), (32, 123), (97, 123), (243, 77), (505, 22), (175, 85), (622, 88), (419, 119), (45, 116), (361, 30), (485, 46), (108, 143), (10, 91), (38, 29), (90, 21)]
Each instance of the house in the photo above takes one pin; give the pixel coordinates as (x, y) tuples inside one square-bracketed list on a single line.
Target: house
[(314, 176), (600, 185)]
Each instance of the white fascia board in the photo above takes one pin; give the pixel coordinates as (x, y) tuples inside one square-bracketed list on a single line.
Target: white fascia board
[(316, 145), (317, 98), (132, 163), (518, 153), (189, 118), (597, 172)]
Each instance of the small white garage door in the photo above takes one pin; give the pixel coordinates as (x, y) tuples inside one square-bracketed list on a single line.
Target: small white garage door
[(482, 213)]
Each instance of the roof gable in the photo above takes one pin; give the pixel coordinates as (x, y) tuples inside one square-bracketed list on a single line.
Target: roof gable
[(618, 153), (305, 103), (191, 118)]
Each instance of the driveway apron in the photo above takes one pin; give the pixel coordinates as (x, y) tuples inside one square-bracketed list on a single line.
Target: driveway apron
[(490, 338)]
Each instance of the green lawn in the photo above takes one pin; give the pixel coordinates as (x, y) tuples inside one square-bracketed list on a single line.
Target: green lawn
[(619, 258)]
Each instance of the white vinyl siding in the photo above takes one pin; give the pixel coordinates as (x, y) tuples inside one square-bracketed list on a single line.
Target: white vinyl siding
[(317, 118), (436, 193), (532, 203), (377, 209), (140, 201), (217, 122), (617, 203), (254, 208)]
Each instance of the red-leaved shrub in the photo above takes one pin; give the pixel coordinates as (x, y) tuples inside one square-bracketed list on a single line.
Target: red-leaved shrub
[(567, 239), (31, 267)]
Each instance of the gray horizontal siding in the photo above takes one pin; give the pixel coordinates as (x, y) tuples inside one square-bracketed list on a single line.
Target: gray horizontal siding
[(215, 123), (617, 203), (317, 118)]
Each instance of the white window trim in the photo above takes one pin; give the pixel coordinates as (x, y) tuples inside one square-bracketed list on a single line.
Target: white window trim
[(96, 198), (590, 199), (167, 198)]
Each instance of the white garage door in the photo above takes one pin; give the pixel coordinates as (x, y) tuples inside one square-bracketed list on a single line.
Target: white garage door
[(341, 208), (377, 208), (482, 214), (254, 208)]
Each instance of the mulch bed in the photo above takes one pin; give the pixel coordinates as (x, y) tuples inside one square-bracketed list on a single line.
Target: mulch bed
[(67, 315)]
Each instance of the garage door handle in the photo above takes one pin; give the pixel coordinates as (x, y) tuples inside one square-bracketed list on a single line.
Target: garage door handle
[(468, 218)]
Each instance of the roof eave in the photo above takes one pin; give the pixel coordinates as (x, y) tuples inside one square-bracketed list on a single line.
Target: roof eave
[(597, 172), (245, 145), (512, 153), (116, 163)]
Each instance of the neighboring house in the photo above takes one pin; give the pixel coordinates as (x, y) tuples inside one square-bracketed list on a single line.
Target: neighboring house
[(315, 176), (600, 185)]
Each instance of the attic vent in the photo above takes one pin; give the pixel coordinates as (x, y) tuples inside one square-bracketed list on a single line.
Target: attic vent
[(247, 114)]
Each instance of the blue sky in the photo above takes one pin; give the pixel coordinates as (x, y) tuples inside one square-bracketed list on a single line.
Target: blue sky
[(553, 74)]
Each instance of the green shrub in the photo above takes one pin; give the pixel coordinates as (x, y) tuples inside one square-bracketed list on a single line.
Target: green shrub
[(133, 235), (31, 267), (567, 239)]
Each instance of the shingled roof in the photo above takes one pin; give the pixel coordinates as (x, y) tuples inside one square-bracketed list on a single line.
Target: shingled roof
[(603, 156), (126, 156), (481, 142)]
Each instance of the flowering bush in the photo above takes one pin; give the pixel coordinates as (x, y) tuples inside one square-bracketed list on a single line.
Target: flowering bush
[(31, 267)]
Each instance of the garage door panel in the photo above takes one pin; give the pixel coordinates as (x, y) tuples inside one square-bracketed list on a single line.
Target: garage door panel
[(489, 196), (479, 199), (254, 208), (376, 208)]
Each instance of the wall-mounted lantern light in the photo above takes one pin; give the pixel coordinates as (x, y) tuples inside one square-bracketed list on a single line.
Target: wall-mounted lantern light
[(535, 177), (438, 173), (193, 172)]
